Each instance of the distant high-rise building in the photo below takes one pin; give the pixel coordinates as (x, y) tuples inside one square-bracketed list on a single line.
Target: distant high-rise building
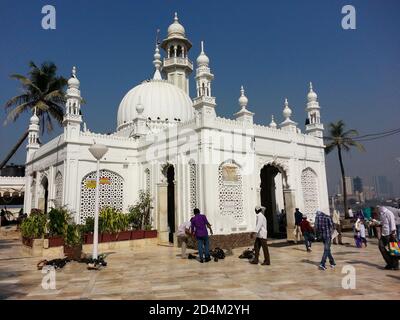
[(358, 184), (349, 186), (369, 193), (383, 187)]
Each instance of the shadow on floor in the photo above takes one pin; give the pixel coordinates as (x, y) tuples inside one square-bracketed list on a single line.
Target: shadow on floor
[(367, 264), (394, 277), (310, 262)]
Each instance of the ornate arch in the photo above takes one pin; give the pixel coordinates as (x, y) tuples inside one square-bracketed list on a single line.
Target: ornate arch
[(111, 192), (281, 165), (309, 186), (230, 188)]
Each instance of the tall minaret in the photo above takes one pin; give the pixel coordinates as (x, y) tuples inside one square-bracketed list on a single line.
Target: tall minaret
[(204, 103), (72, 117), (177, 67), (314, 126), (33, 136)]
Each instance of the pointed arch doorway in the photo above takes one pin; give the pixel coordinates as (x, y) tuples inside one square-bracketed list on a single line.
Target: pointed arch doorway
[(171, 202), (273, 199)]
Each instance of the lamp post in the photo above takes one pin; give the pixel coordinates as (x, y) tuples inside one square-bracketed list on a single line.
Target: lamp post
[(97, 151)]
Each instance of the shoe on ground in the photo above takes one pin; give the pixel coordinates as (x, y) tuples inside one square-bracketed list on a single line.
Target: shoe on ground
[(388, 267), (201, 260), (266, 263), (322, 267), (333, 266), (395, 268), (253, 262), (309, 250), (208, 259)]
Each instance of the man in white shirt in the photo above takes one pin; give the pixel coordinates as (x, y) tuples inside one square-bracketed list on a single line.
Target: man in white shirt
[(183, 234), (350, 212), (388, 224), (261, 237)]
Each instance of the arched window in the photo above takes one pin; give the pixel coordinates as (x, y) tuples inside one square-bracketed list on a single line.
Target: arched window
[(179, 51), (111, 192), (230, 191), (309, 185)]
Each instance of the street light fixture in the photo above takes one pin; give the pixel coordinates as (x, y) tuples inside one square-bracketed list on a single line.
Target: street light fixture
[(97, 151)]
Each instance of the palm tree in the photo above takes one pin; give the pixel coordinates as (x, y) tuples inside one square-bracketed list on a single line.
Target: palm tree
[(43, 90), (342, 141)]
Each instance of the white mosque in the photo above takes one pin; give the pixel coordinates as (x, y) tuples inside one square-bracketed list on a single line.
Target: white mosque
[(179, 150)]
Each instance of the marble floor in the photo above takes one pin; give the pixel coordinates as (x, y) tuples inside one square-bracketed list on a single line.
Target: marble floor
[(158, 272)]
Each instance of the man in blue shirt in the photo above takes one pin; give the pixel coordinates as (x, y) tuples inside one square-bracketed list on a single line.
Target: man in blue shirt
[(324, 225)]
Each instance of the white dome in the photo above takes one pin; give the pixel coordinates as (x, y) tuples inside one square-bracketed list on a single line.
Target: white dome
[(159, 99), (176, 29)]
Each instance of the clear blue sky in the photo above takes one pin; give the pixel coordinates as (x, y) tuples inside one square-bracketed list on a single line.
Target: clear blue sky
[(273, 48)]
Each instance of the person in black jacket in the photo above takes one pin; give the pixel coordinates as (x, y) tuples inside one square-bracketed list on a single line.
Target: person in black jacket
[(298, 217)]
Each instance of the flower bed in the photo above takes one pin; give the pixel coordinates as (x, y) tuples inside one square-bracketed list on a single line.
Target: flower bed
[(121, 236)]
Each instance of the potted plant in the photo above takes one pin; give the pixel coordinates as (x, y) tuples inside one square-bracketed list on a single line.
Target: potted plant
[(73, 242), (149, 233), (88, 230), (33, 227), (109, 224), (123, 225), (57, 226)]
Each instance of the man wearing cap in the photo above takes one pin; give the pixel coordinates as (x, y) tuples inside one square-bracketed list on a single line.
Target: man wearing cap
[(261, 237)]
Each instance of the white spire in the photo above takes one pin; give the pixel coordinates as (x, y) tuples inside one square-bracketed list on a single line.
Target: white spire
[(157, 64), (287, 112), (312, 96), (243, 101), (273, 124), (202, 59)]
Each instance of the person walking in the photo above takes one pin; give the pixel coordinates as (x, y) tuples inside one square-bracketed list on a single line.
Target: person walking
[(350, 213), (396, 213), (298, 217), (199, 225), (388, 235), (308, 232), (183, 234), (324, 225), (338, 227), (261, 237)]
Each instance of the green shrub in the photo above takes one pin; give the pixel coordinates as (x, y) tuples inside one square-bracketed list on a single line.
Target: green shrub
[(58, 221), (88, 227), (112, 221), (139, 214), (73, 236), (34, 226)]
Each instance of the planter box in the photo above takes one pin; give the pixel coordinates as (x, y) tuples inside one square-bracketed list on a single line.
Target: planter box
[(124, 236), (137, 234), (73, 253), (27, 242), (55, 242), (150, 234), (108, 237), (88, 238)]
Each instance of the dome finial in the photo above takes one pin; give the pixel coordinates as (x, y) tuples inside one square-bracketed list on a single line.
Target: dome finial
[(202, 46), (176, 17), (202, 59), (73, 72), (287, 112), (243, 101), (157, 63), (273, 123), (312, 96)]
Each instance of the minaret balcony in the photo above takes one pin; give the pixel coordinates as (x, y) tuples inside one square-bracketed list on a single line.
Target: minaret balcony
[(178, 61)]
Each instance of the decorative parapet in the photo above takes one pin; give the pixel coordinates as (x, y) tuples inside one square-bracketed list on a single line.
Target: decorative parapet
[(177, 61)]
